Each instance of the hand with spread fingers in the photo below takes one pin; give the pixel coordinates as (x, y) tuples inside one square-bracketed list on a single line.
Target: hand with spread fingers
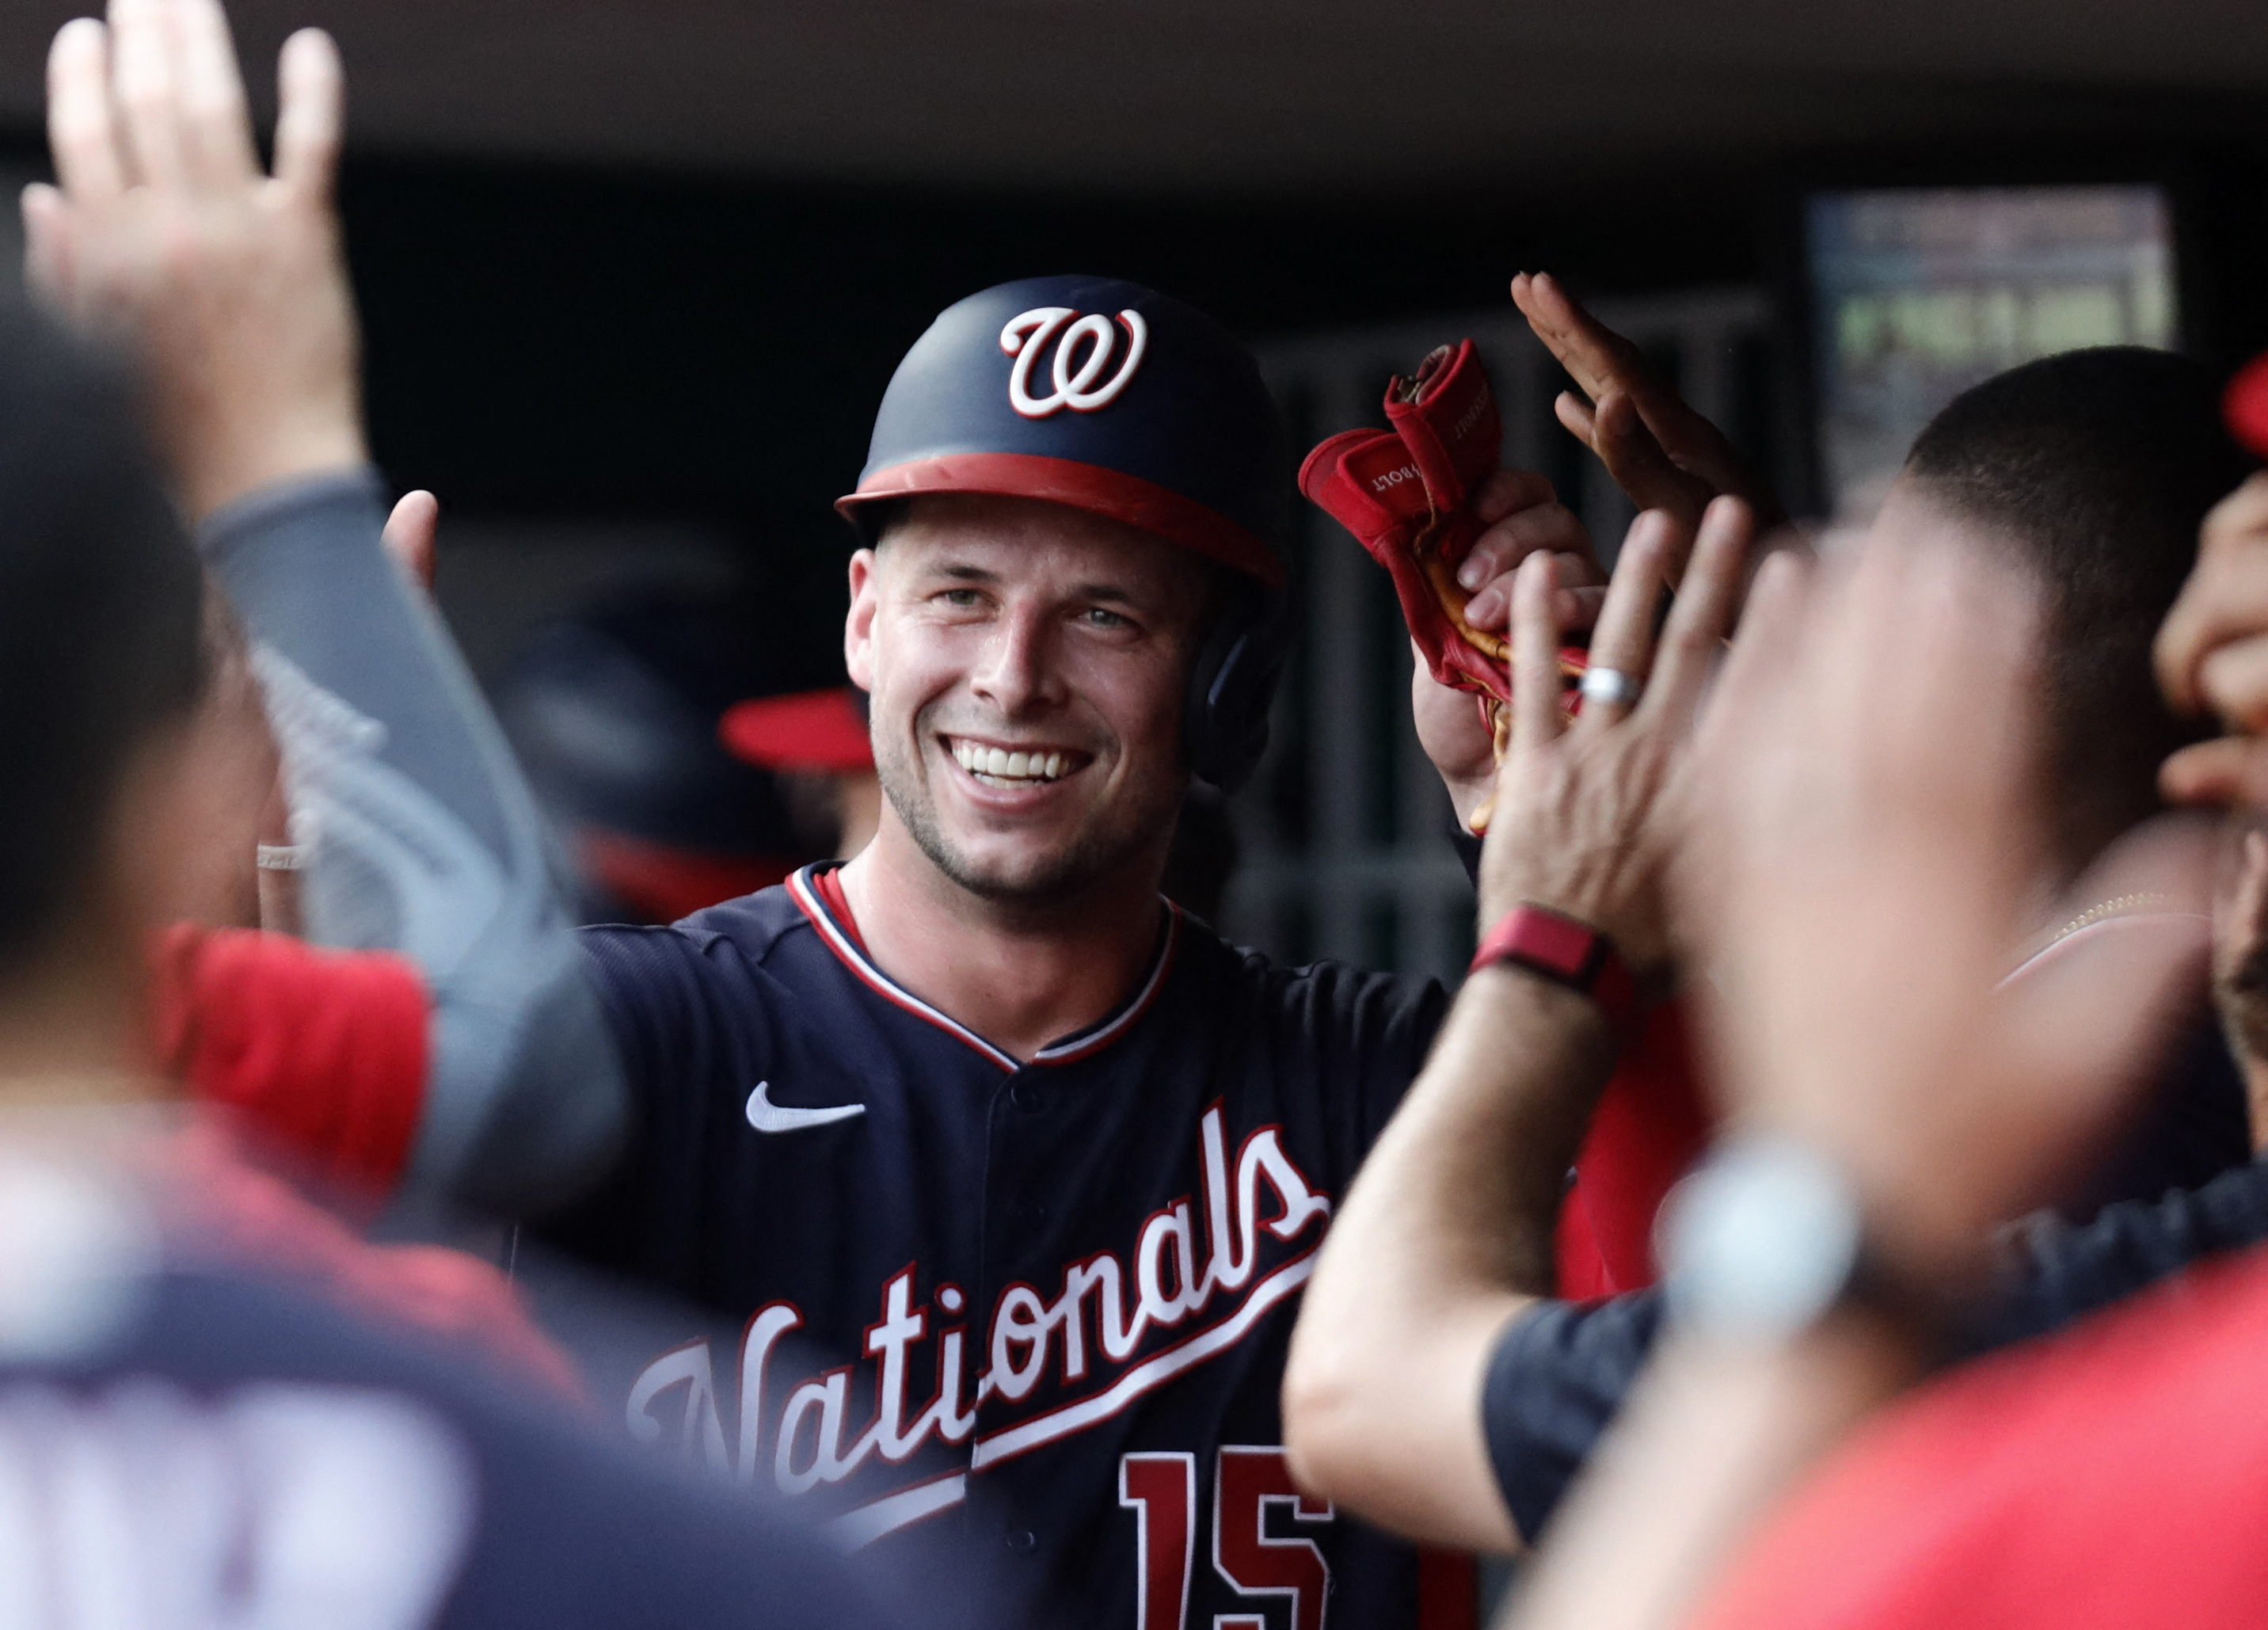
[(1587, 810), (1660, 451), (226, 284)]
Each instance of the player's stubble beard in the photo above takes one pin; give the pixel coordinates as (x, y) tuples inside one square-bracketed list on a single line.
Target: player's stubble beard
[(1129, 830)]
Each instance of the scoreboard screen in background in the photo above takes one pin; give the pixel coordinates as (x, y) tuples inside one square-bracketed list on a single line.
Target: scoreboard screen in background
[(1918, 293)]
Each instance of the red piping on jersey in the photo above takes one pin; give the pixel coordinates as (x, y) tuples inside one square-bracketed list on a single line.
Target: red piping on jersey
[(818, 893), (829, 886)]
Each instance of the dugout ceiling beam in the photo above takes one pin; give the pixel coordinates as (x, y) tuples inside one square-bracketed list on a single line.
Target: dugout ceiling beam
[(1234, 97)]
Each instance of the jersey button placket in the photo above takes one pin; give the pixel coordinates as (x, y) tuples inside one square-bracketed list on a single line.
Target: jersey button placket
[(1015, 1231)]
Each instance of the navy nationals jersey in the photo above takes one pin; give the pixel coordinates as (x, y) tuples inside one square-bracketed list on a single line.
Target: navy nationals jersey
[(1028, 1319), (236, 1453)]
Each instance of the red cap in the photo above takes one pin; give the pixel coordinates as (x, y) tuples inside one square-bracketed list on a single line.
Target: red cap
[(821, 730), (2246, 406)]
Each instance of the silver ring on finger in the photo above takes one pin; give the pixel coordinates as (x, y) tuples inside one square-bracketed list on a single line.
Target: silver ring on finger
[(1609, 687)]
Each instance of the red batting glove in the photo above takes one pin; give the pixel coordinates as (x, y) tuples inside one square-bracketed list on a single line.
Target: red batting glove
[(1404, 494)]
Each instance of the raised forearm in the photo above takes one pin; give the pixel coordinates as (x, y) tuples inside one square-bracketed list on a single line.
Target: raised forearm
[(421, 838), (1444, 1236)]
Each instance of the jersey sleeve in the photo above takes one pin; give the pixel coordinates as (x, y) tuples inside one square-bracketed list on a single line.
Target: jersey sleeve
[(421, 838), (2052, 1272), (323, 1052), (1558, 1377)]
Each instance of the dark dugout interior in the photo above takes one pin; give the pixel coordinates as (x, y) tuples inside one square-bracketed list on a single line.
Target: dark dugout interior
[(545, 340)]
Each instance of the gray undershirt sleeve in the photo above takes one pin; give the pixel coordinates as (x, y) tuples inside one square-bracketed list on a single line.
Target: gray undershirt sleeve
[(417, 835)]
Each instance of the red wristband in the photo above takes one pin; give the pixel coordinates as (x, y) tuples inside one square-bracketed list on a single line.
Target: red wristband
[(1566, 951)]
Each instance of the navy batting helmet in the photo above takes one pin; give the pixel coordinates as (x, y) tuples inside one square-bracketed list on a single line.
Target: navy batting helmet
[(1109, 397)]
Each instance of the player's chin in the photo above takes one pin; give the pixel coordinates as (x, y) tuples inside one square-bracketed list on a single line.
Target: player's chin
[(1031, 872)]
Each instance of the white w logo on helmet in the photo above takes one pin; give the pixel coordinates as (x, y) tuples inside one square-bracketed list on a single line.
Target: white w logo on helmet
[(1027, 335)]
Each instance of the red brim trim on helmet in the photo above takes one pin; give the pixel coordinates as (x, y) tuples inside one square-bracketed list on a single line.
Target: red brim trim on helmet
[(1090, 487), (812, 730), (2245, 407)]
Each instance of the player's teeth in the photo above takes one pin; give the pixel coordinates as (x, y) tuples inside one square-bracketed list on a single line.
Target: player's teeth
[(998, 764)]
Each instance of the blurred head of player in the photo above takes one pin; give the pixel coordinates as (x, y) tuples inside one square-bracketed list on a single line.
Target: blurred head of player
[(2092, 471), (1027, 663), (101, 658)]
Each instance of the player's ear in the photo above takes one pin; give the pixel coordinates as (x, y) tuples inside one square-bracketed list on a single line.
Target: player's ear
[(858, 625)]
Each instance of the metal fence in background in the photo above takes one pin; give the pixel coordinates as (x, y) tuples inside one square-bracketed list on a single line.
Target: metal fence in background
[(1343, 831)]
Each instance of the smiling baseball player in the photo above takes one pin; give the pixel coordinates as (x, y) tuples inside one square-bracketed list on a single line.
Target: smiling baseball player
[(1011, 1170), (1005, 1173)]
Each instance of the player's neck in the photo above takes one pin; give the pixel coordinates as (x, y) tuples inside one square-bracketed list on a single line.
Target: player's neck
[(1018, 978)]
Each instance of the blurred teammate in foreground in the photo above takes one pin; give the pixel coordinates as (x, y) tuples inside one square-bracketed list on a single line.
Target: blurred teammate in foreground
[(2086, 473), (187, 1437), (1869, 828)]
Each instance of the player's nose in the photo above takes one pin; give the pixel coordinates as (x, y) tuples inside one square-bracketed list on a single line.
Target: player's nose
[(1017, 671)]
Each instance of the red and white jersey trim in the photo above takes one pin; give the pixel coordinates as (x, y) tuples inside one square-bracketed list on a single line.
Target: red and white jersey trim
[(1084, 1044)]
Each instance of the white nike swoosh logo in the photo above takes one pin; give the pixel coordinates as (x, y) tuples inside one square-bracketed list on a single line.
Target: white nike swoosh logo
[(765, 1116)]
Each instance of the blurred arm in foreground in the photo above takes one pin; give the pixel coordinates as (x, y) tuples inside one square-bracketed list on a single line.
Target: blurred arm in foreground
[(1448, 1229), (187, 1433), (2089, 475), (227, 287), (1868, 831)]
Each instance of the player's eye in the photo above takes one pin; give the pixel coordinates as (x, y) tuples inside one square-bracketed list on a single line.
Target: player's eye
[(1099, 616), (964, 598)]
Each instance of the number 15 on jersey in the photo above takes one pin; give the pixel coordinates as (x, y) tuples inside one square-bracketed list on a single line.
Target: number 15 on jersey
[(1161, 1490)]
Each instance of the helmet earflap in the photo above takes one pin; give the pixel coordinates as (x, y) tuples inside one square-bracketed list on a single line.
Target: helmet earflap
[(1225, 713)]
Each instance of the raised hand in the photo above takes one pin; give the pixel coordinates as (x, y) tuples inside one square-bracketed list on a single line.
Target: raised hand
[(1588, 811), (1658, 449), (226, 284), (1866, 846)]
